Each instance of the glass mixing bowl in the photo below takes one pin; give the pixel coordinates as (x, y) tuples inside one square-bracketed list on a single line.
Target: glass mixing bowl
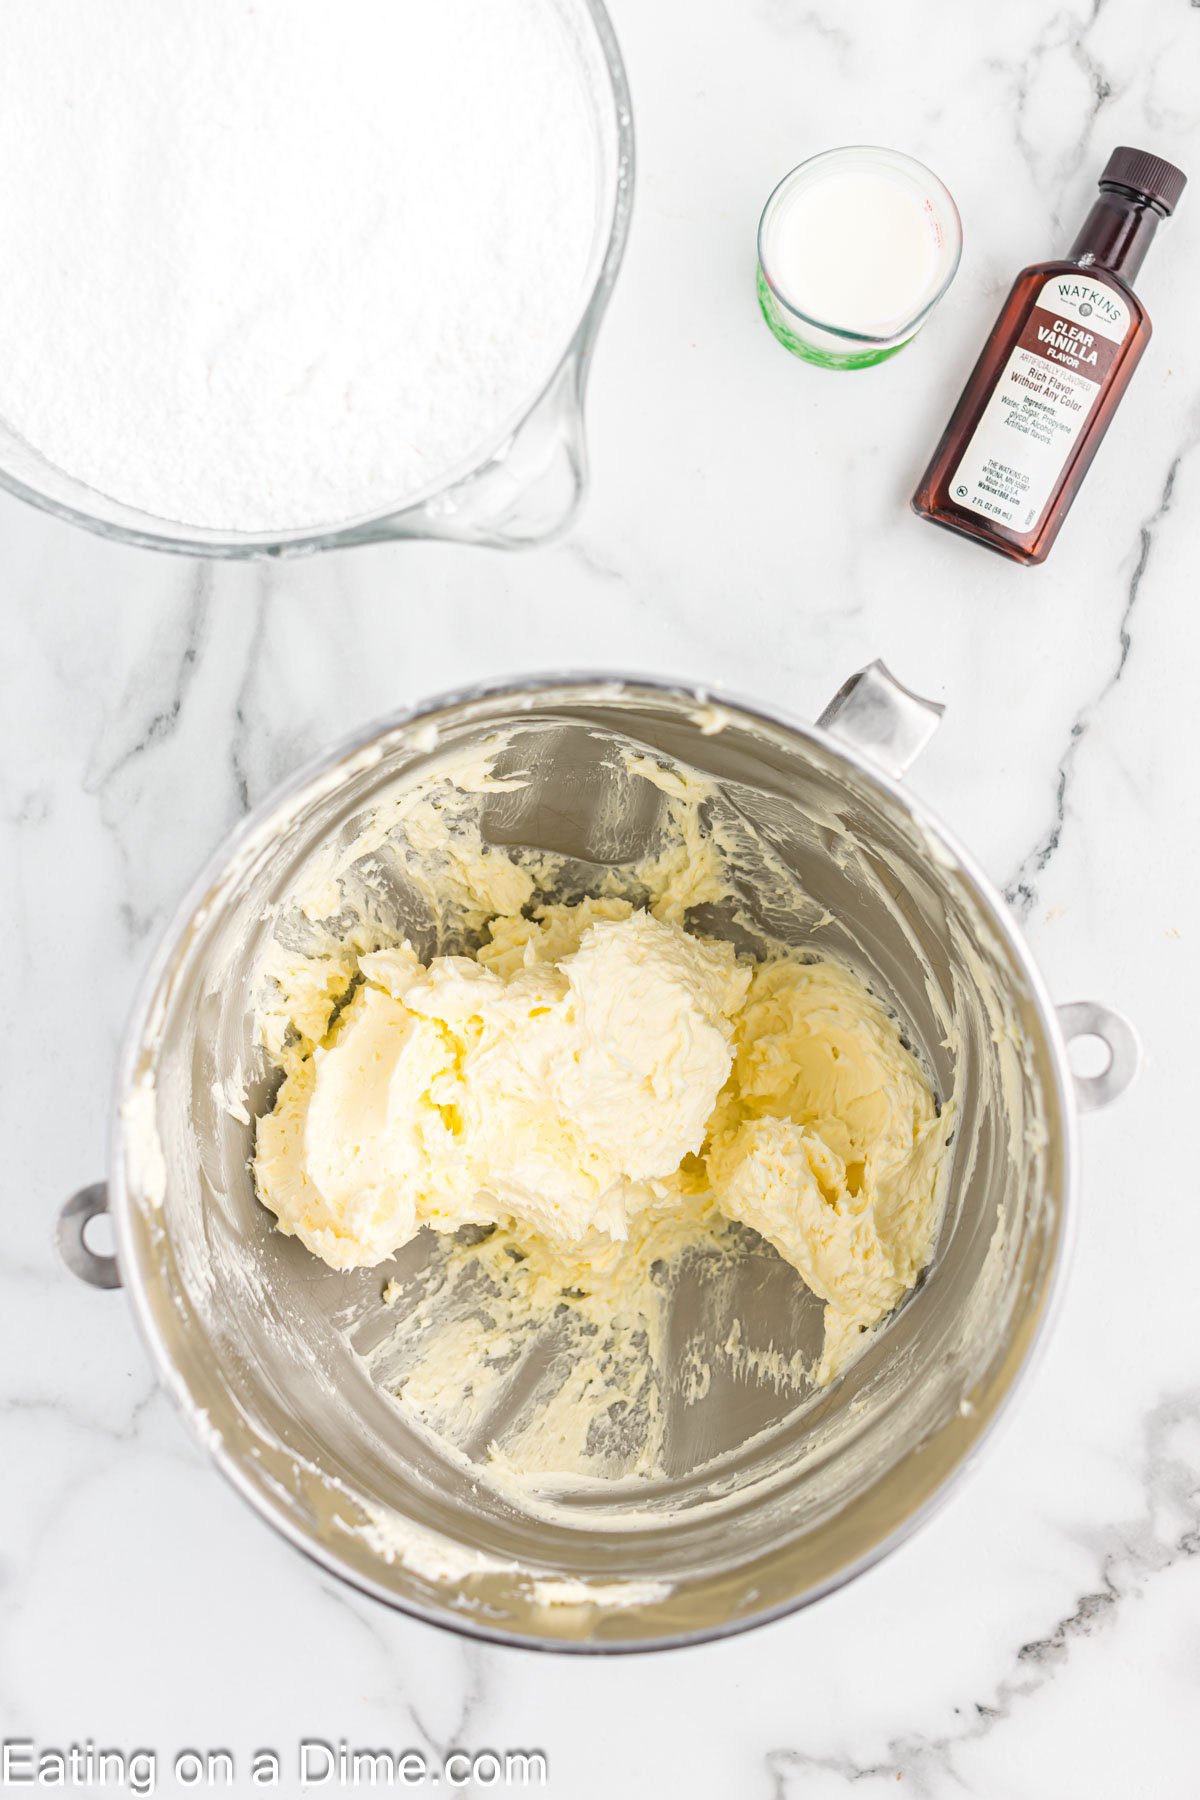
[(521, 486), (771, 1497)]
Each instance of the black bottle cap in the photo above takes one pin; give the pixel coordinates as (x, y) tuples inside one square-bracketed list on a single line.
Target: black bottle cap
[(1161, 182)]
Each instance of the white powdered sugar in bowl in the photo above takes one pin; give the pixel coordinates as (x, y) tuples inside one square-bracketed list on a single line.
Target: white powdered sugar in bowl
[(271, 264)]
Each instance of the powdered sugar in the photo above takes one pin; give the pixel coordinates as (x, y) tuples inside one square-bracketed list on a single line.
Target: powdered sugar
[(277, 263)]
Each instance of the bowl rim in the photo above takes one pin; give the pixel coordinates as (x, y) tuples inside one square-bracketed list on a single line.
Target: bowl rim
[(172, 949), (387, 522)]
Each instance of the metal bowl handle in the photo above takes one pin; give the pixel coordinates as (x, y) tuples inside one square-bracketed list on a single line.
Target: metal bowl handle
[(1085, 1018), (878, 716), (98, 1271)]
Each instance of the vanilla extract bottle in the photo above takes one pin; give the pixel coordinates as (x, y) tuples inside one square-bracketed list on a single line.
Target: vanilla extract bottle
[(1052, 373)]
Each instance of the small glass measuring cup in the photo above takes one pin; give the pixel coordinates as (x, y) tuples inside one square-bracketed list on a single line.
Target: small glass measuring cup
[(832, 342)]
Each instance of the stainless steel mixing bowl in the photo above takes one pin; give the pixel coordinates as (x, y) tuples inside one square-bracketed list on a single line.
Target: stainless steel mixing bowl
[(771, 1498), (521, 486)]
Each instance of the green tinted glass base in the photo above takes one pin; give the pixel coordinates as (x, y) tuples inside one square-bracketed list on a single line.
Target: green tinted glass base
[(824, 359)]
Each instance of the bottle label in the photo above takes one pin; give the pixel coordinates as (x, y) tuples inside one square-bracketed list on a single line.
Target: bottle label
[(1037, 411)]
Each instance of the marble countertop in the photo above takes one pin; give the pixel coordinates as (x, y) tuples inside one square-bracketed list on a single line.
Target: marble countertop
[(747, 525)]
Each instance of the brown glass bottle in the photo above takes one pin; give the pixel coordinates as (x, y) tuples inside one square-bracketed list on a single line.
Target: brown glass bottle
[(1052, 374)]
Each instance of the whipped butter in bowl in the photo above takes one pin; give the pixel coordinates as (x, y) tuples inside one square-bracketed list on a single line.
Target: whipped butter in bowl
[(592, 1162), (596, 1090)]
